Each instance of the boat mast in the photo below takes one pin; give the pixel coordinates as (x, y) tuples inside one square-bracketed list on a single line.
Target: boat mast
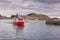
[(19, 15)]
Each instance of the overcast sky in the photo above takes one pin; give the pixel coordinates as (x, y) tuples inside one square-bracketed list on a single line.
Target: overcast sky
[(48, 7)]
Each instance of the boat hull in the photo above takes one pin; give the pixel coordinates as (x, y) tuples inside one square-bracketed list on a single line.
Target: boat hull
[(18, 23)]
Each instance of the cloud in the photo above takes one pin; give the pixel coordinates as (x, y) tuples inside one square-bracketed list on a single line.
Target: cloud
[(47, 1), (48, 7)]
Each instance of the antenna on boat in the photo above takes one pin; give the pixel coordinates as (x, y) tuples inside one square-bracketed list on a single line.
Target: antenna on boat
[(19, 14)]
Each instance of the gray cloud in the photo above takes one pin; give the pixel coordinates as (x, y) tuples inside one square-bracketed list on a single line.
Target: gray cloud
[(5, 1), (47, 1), (49, 7)]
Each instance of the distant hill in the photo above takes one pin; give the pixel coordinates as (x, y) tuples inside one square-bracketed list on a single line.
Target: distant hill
[(42, 17), (38, 16), (0, 17), (31, 16)]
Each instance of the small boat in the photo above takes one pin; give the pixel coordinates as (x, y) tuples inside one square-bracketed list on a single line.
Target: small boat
[(19, 21)]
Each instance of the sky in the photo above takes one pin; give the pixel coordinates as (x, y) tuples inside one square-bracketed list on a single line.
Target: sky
[(23, 7)]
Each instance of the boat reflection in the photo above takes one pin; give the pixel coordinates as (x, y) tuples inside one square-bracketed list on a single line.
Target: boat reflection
[(19, 32)]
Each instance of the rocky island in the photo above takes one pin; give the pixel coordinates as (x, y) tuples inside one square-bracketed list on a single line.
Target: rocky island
[(54, 21)]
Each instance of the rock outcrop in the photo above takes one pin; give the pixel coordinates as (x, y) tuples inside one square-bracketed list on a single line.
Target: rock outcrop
[(55, 21)]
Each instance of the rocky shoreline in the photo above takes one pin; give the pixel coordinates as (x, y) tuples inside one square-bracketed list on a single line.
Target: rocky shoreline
[(53, 21), (33, 16)]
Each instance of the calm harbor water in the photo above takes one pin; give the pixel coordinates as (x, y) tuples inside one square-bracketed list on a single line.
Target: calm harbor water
[(33, 30)]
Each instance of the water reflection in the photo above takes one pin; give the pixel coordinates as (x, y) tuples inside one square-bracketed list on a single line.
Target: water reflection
[(32, 30), (19, 33)]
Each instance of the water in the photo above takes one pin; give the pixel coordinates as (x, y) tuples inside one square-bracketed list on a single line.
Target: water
[(33, 30)]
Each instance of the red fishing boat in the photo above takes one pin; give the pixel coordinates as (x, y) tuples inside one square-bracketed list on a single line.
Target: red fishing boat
[(20, 22)]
